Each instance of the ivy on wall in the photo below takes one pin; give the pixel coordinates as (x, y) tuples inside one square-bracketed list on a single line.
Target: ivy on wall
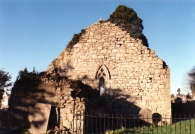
[(75, 39), (127, 19)]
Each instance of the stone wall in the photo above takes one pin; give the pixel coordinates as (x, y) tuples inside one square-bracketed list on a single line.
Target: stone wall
[(133, 75), (183, 109), (70, 105)]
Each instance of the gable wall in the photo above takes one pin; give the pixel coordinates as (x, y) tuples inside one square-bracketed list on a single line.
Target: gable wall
[(132, 67)]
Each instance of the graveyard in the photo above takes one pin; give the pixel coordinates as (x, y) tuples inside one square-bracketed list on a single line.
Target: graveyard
[(106, 80)]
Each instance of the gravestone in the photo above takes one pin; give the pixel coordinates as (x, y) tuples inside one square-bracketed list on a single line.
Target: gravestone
[(145, 115), (38, 118)]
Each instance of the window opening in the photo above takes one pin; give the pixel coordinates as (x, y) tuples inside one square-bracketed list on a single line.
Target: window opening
[(102, 86)]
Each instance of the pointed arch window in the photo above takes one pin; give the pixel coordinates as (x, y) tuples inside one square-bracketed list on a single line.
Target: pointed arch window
[(102, 76)]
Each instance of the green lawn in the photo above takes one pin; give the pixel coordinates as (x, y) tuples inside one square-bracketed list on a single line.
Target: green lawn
[(182, 127)]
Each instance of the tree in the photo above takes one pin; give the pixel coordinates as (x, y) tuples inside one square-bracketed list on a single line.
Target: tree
[(26, 79), (191, 80), (5, 77), (127, 19)]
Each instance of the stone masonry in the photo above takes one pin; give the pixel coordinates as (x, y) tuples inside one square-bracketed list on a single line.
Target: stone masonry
[(107, 53)]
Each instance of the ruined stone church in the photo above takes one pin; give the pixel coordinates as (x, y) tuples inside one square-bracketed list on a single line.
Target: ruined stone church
[(131, 75)]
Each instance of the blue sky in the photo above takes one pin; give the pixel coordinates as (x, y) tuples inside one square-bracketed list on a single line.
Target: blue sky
[(34, 32)]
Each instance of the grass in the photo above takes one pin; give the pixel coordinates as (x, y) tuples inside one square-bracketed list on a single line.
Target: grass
[(181, 127)]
